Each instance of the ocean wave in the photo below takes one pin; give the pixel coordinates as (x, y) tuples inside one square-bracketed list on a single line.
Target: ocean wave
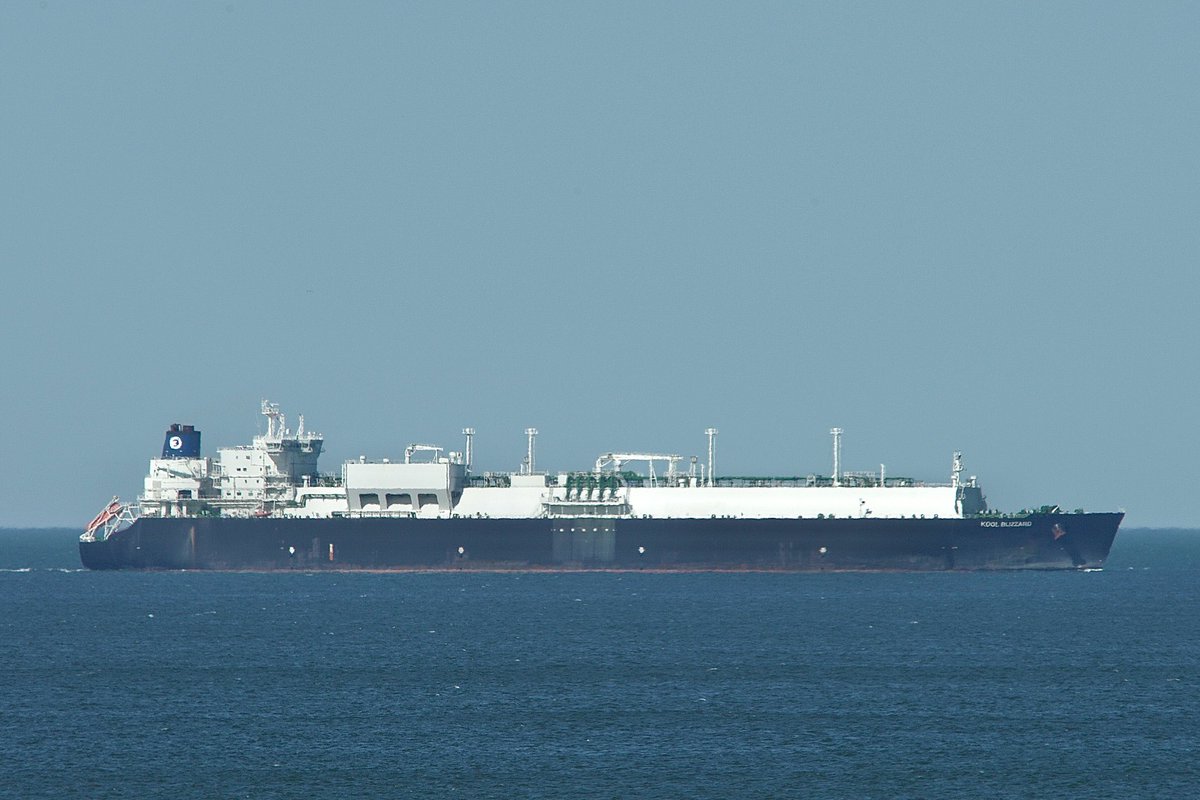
[(43, 569)]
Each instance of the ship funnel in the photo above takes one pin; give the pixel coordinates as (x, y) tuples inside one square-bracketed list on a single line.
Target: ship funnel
[(181, 441)]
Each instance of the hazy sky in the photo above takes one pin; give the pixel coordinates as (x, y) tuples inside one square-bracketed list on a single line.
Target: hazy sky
[(939, 226)]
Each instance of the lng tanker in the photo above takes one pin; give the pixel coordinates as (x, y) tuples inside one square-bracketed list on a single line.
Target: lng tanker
[(265, 506)]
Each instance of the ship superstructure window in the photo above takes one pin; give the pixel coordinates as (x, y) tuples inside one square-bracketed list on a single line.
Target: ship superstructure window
[(369, 501), (424, 500)]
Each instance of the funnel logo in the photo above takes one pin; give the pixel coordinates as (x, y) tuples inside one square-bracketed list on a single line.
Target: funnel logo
[(175, 443)]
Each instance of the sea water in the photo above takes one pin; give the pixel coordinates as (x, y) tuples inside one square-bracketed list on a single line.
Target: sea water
[(998, 685)]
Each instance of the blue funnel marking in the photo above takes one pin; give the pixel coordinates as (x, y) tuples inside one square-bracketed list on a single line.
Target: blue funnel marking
[(181, 441)]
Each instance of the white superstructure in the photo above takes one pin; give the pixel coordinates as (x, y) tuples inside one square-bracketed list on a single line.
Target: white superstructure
[(176, 486), (277, 470), (276, 475)]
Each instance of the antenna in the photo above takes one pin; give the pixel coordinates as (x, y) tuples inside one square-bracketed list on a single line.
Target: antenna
[(470, 434), (711, 433), (837, 455), (532, 434)]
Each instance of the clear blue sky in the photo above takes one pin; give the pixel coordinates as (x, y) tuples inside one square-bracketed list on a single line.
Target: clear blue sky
[(939, 226)]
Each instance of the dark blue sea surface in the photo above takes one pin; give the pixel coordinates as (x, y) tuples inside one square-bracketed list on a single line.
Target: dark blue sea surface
[(189, 685)]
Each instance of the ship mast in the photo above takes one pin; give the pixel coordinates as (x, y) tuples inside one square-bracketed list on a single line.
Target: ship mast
[(837, 455), (711, 433), (470, 451), (532, 434), (275, 423)]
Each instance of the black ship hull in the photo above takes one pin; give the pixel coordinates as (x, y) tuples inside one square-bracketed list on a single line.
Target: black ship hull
[(1039, 541)]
